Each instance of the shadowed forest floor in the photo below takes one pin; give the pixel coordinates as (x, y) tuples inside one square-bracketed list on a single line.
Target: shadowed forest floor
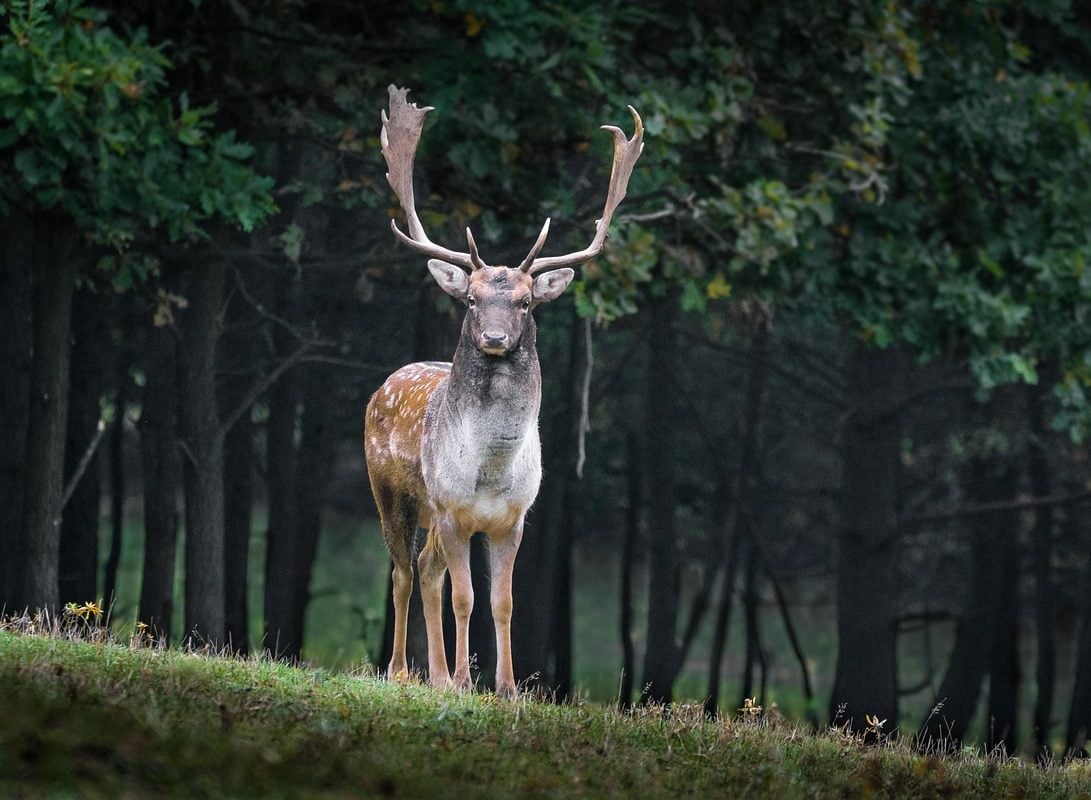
[(106, 720)]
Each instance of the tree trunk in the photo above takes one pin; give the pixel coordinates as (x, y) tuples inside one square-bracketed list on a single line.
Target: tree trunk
[(660, 657), (737, 493), (754, 656), (985, 638), (54, 282), (723, 618), (1004, 653), (562, 592), (1079, 714), (238, 521), (482, 632), (16, 259), (78, 578), (161, 470), (866, 680), (117, 483), (280, 447), (635, 486), (1038, 473), (1078, 727), (203, 465)]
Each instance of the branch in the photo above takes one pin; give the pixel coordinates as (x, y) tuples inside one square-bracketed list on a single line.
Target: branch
[(85, 461), (1022, 504), (262, 385)]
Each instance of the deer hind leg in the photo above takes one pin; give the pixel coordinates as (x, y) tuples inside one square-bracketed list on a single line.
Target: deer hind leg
[(399, 524), (456, 549), (432, 566), (502, 550)]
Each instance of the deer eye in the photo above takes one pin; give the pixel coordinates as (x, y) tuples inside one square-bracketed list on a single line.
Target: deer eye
[(526, 303), (470, 301)]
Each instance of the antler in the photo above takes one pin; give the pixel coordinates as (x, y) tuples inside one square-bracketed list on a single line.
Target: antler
[(399, 138), (626, 152)]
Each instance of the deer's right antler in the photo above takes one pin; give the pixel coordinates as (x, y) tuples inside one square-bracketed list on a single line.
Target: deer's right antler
[(399, 139)]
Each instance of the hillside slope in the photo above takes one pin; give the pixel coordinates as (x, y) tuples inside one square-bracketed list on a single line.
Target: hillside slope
[(105, 720)]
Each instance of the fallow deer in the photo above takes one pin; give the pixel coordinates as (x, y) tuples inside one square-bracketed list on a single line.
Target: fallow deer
[(453, 447)]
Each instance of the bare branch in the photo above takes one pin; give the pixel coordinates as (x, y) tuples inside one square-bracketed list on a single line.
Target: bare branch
[(85, 461), (261, 385)]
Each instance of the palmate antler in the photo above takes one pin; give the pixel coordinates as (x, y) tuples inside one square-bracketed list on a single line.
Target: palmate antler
[(400, 136)]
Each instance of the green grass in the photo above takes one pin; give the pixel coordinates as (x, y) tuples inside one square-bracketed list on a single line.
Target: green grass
[(97, 720)]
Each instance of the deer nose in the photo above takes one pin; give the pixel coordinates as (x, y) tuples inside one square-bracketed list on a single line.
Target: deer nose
[(493, 339)]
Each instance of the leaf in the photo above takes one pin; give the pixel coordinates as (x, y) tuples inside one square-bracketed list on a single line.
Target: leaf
[(990, 263), (718, 288)]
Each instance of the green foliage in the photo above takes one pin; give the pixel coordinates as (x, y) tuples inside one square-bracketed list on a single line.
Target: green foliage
[(89, 130), (102, 719)]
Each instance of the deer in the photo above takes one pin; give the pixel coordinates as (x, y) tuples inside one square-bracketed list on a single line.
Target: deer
[(453, 447)]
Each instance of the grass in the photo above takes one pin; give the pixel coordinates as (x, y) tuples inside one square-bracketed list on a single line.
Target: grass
[(101, 719)]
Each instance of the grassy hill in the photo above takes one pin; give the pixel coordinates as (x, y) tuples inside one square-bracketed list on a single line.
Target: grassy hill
[(90, 720)]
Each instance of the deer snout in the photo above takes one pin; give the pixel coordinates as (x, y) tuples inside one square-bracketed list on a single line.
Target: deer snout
[(494, 341)]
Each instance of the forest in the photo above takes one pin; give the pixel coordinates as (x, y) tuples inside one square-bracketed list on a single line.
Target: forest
[(814, 425)]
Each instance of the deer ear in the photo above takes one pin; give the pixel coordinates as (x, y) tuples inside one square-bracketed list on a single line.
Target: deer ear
[(450, 278), (551, 285)]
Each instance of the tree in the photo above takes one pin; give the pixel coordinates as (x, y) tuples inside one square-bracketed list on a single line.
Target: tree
[(94, 148)]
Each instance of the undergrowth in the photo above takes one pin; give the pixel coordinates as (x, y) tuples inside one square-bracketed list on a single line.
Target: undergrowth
[(85, 716)]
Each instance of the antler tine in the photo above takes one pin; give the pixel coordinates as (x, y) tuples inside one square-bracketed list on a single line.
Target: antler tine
[(475, 257), (399, 138), (626, 153), (537, 248)]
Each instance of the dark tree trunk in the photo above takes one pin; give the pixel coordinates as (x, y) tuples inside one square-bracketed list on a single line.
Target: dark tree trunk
[(203, 464), (660, 657), (16, 259), (866, 680), (1004, 655), (754, 656), (280, 553), (562, 594), (315, 458), (482, 638), (985, 638), (1078, 727), (238, 506), (79, 528), (1079, 713), (240, 363), (161, 470), (238, 521), (1038, 473), (54, 282), (117, 483), (635, 487), (740, 487), (720, 629)]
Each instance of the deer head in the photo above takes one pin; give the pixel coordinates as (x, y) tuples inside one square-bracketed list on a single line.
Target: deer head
[(499, 299)]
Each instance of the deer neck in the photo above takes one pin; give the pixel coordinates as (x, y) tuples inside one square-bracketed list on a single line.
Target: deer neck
[(506, 389)]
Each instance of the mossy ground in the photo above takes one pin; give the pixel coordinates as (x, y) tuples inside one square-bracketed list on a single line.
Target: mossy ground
[(99, 719)]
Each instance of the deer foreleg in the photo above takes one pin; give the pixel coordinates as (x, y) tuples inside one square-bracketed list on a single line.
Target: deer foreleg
[(456, 549), (502, 552), (431, 567)]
